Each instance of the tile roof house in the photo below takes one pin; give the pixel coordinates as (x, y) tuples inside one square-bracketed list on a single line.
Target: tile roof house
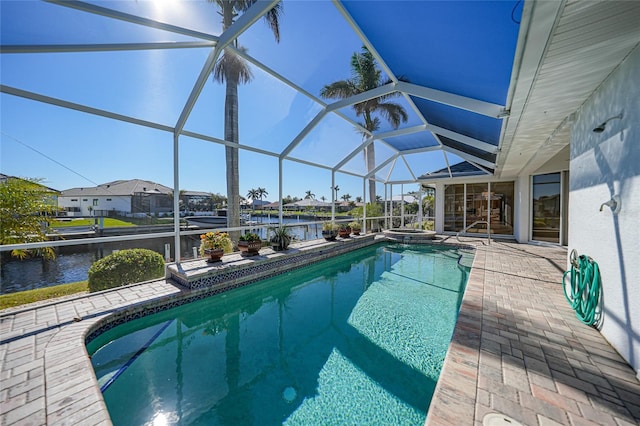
[(120, 197)]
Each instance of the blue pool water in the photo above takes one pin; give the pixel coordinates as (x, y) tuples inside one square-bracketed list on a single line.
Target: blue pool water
[(358, 339)]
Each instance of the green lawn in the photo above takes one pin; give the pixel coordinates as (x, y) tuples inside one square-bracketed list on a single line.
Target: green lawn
[(108, 223), (29, 296)]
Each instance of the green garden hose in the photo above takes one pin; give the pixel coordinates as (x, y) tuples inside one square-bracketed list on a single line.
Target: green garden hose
[(583, 290)]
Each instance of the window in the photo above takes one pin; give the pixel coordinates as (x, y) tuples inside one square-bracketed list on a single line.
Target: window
[(74, 199), (84, 199), (546, 208), (108, 199), (95, 201)]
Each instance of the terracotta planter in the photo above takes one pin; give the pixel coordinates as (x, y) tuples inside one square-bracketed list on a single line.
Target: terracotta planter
[(249, 248), (215, 255), (344, 232), (356, 232)]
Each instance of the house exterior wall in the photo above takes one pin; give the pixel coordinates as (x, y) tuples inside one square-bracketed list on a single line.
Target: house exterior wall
[(523, 208), (118, 203), (602, 165), (439, 222)]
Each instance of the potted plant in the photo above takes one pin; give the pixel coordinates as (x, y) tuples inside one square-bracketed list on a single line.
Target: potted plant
[(355, 227), (330, 231), (249, 244), (215, 244), (281, 238), (344, 230)]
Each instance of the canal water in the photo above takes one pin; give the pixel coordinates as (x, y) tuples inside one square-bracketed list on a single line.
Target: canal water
[(72, 262)]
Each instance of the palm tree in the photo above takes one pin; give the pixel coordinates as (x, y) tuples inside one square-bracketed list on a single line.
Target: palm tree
[(346, 197), (309, 196), (261, 193), (358, 199), (253, 194), (323, 198), (367, 76), (233, 71)]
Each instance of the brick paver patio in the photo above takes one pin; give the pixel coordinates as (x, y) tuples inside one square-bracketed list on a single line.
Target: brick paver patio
[(518, 351)]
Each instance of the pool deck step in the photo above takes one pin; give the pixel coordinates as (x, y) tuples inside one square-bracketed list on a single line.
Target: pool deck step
[(518, 350)]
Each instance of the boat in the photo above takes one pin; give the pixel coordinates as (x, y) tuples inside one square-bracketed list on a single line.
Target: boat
[(207, 221)]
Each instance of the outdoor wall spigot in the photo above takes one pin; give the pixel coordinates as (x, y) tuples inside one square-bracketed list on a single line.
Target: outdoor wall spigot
[(613, 204)]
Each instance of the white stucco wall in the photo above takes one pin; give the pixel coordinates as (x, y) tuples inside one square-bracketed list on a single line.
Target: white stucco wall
[(604, 164), (522, 208), (439, 222), (118, 203)]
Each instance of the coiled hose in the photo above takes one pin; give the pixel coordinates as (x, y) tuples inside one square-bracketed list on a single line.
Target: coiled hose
[(583, 290)]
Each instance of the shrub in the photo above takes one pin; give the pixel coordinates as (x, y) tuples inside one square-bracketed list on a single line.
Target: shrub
[(330, 226), (125, 267), (249, 236), (429, 225)]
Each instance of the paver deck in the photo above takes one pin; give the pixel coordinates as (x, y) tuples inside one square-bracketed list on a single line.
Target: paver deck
[(517, 350)]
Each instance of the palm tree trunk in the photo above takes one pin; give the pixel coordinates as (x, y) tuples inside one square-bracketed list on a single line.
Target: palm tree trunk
[(370, 154), (231, 153)]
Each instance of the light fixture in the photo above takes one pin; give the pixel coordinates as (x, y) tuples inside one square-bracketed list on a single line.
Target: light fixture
[(601, 127), (613, 204)]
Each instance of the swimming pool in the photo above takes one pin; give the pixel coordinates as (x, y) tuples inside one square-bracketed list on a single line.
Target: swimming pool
[(357, 339)]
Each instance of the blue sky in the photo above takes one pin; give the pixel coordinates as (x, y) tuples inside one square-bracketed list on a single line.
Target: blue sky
[(69, 149)]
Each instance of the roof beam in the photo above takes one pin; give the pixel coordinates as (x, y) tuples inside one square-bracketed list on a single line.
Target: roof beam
[(356, 28), (227, 143), (313, 123), (408, 167), (380, 166), (353, 153), (322, 166), (442, 131), (362, 97), (110, 13), (197, 88), (276, 75), (244, 21), (82, 108), (57, 48), (446, 160), (294, 86), (457, 101), (400, 132), (381, 62), (470, 158), (463, 138), (393, 166), (420, 150), (241, 24)]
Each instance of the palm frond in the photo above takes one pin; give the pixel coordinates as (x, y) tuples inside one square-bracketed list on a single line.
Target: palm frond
[(394, 113), (271, 18), (233, 66), (339, 90)]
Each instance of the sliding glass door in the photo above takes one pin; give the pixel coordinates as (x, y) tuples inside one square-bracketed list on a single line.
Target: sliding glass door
[(490, 202)]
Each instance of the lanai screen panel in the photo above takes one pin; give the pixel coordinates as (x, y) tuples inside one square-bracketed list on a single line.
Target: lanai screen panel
[(463, 47)]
